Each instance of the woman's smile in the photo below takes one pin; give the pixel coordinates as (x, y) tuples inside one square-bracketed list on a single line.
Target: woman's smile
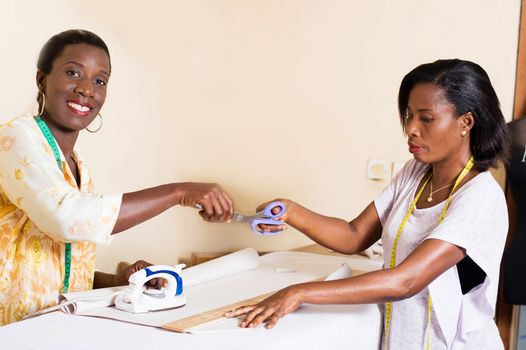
[(81, 109)]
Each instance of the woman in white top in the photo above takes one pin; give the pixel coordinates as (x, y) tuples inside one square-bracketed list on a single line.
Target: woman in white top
[(442, 220)]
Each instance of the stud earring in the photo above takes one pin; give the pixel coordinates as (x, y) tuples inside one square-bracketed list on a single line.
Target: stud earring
[(463, 133)]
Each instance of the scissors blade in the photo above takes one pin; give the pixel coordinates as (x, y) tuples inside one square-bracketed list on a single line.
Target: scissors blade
[(240, 217)]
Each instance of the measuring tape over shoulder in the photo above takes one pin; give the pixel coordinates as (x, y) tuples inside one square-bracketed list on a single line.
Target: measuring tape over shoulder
[(392, 260), (53, 144)]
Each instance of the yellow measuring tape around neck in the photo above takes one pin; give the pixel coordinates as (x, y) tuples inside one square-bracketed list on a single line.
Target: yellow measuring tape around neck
[(52, 143), (392, 261)]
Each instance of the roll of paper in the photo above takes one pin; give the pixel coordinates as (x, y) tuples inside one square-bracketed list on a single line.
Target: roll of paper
[(240, 261)]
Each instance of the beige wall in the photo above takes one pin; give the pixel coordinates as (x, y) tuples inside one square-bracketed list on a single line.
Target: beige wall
[(268, 98)]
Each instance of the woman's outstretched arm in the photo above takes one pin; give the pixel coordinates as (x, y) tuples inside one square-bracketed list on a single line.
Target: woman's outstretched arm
[(142, 205)]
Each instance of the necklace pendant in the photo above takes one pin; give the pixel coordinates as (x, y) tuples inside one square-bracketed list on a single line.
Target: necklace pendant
[(429, 199)]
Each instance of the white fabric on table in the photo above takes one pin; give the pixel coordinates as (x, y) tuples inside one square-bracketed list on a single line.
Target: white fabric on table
[(310, 327)]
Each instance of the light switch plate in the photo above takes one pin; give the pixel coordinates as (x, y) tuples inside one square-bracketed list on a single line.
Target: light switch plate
[(378, 169)]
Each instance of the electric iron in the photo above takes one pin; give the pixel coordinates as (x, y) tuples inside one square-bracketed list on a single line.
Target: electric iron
[(138, 299)]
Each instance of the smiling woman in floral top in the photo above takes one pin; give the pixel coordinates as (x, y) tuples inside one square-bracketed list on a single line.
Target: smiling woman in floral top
[(50, 218)]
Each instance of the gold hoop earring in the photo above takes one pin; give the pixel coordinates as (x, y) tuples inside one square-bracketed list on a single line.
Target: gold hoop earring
[(100, 125), (41, 110), (463, 133)]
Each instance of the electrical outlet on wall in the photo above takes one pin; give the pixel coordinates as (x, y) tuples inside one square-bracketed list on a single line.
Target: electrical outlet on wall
[(378, 169)]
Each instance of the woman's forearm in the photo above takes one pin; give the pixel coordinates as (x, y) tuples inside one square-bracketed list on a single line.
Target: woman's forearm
[(374, 287), (142, 205), (333, 233), (103, 280), (428, 261)]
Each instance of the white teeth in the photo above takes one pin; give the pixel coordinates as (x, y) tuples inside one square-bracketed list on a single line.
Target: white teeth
[(78, 107)]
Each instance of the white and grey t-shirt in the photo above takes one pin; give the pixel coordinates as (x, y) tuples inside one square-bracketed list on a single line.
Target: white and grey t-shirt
[(477, 221)]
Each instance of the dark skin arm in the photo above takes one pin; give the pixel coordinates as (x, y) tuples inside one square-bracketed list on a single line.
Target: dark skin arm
[(421, 267), (333, 233), (104, 280), (142, 205), (427, 262)]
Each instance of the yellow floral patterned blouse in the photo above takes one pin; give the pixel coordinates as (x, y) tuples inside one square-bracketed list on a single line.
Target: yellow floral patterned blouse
[(42, 208)]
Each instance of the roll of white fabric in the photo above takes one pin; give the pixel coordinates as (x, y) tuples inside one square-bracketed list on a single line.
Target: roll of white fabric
[(240, 261)]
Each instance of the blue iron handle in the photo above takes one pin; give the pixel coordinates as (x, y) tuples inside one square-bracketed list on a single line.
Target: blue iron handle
[(151, 274)]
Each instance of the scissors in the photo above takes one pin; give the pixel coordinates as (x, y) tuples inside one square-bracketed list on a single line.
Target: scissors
[(264, 217)]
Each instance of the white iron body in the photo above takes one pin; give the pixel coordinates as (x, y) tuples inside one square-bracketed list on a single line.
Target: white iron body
[(138, 299)]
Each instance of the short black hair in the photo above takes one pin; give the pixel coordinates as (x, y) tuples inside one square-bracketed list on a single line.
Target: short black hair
[(56, 44), (468, 88)]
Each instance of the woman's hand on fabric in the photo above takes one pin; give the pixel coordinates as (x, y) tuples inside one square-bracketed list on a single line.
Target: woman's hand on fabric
[(270, 310), (216, 205), (123, 275)]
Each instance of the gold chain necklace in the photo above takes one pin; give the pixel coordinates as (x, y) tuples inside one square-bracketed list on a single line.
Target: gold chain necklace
[(431, 192)]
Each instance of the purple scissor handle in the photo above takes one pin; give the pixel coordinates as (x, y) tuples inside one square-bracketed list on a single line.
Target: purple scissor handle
[(264, 217), (267, 217)]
